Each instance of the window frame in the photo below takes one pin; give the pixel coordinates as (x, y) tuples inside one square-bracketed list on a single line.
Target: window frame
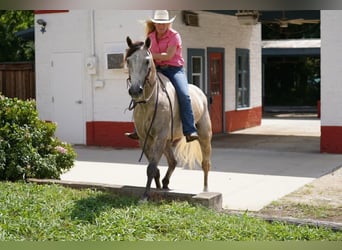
[(242, 79), (197, 53)]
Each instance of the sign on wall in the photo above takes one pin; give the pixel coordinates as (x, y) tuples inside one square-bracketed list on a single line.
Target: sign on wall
[(115, 61), (114, 55)]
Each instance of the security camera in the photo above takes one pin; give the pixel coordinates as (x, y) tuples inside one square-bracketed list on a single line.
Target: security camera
[(41, 22)]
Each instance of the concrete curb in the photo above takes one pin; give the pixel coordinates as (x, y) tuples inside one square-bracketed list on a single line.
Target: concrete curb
[(334, 226), (210, 200)]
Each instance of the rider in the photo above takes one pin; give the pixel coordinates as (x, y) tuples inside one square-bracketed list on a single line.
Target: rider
[(166, 50)]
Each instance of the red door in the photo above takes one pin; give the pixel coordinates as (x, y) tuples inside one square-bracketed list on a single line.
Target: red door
[(216, 91)]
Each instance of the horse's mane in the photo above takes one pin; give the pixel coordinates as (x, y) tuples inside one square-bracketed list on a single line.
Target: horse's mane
[(134, 47)]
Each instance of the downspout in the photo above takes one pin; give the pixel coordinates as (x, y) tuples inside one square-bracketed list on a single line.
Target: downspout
[(92, 48), (92, 32)]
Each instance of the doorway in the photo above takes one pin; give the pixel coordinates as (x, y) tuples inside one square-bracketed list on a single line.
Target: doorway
[(67, 98), (215, 79)]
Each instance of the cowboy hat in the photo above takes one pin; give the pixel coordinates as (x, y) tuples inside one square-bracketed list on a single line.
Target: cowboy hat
[(162, 16)]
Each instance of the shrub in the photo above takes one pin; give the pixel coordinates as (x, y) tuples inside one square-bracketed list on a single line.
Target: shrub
[(28, 147)]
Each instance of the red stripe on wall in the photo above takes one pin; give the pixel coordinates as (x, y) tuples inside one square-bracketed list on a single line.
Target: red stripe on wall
[(110, 134), (241, 119), (331, 139), (49, 11)]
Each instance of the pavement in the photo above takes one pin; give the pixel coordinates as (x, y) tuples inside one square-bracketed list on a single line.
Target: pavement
[(251, 167)]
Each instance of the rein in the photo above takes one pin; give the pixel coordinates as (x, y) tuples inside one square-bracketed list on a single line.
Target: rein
[(149, 129), (168, 97), (134, 103)]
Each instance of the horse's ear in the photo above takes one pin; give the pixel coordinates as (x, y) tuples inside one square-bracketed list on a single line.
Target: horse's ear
[(148, 42), (129, 41)]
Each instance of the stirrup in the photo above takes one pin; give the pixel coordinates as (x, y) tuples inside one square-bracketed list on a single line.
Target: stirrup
[(133, 135), (191, 137)]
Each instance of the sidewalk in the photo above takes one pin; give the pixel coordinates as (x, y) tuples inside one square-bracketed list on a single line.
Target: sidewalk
[(251, 168)]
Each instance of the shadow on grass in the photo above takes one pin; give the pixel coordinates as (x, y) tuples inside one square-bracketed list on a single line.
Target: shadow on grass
[(88, 209)]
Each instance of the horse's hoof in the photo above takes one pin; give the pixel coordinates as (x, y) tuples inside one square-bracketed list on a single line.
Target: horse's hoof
[(143, 200)]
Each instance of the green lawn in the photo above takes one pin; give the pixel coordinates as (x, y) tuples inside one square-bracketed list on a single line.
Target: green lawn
[(51, 212)]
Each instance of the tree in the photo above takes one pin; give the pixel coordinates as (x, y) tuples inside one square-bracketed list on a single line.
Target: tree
[(12, 47)]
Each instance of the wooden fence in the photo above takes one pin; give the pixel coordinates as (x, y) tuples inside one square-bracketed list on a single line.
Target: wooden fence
[(17, 79)]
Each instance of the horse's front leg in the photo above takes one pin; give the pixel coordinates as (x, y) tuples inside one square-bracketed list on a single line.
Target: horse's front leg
[(171, 163), (152, 173), (153, 150)]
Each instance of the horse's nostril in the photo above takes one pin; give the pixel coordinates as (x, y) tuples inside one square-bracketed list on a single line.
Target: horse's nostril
[(135, 90)]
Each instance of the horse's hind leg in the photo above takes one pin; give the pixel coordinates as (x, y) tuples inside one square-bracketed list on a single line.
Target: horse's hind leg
[(206, 163), (171, 163), (205, 135)]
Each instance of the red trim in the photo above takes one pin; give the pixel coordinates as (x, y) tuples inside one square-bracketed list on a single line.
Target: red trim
[(49, 11), (319, 108), (110, 134), (331, 139), (241, 119)]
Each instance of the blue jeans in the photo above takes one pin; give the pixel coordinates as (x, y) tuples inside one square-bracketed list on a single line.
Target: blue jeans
[(180, 82)]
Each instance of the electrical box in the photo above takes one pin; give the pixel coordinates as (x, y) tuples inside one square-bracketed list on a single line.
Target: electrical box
[(91, 65)]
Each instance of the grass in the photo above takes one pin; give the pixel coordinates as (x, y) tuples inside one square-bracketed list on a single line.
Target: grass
[(51, 212)]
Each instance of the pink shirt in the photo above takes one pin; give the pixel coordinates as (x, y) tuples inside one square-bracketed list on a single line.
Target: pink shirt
[(171, 38)]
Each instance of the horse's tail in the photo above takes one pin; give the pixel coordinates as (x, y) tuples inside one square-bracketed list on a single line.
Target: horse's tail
[(188, 154)]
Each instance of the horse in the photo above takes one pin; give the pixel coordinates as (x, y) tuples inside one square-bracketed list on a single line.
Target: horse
[(157, 120)]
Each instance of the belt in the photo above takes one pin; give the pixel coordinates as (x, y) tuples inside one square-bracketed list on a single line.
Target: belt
[(166, 66)]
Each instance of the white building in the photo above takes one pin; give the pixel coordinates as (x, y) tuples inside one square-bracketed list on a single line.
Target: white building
[(81, 82)]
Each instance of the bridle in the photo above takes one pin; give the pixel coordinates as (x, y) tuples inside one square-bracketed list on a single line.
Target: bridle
[(133, 102)]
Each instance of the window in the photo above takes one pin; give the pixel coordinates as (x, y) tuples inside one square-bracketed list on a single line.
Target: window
[(242, 78), (196, 72)]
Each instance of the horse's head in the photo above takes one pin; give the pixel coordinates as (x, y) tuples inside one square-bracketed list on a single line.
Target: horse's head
[(139, 62)]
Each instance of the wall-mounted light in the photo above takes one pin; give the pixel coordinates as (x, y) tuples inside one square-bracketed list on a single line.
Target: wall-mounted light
[(42, 24)]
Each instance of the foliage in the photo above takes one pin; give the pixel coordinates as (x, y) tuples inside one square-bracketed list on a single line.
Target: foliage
[(304, 31), (27, 144), (292, 81), (54, 213), (13, 48)]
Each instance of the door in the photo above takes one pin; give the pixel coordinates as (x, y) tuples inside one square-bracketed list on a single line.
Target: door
[(216, 90), (67, 96)]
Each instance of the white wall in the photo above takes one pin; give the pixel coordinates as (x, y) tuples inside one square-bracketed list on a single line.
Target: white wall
[(331, 68), (65, 32)]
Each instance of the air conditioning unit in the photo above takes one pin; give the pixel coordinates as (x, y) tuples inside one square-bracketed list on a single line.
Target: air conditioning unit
[(190, 18)]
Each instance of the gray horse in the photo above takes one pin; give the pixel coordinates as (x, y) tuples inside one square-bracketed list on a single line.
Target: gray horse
[(157, 119)]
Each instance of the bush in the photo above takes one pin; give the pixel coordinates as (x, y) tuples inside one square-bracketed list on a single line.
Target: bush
[(28, 147)]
